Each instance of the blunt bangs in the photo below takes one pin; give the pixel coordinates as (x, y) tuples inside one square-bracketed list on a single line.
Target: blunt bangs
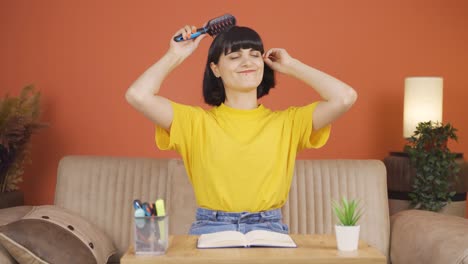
[(244, 38), (233, 40)]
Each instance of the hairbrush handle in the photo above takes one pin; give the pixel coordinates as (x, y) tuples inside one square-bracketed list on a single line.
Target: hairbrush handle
[(200, 31)]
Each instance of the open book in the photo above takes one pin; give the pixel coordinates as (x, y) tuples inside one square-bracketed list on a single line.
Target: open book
[(256, 238)]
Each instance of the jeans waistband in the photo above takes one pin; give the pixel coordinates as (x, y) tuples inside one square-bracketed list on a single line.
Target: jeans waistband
[(214, 215)]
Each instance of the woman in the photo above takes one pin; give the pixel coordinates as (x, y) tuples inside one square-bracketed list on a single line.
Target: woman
[(239, 155)]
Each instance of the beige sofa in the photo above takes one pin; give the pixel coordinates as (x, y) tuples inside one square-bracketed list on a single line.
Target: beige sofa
[(101, 189)]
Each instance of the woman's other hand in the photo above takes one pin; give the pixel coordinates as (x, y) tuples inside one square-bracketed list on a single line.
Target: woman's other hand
[(279, 60)]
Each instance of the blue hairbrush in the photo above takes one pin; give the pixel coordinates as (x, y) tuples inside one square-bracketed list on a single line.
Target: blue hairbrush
[(213, 27)]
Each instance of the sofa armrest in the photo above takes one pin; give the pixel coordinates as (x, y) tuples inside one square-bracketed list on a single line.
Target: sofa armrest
[(426, 237)]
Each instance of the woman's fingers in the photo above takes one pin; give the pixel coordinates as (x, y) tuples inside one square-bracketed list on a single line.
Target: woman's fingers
[(273, 53), (188, 31), (267, 61), (278, 59), (180, 31), (276, 54)]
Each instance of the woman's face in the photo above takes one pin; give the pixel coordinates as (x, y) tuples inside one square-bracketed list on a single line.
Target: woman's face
[(241, 70)]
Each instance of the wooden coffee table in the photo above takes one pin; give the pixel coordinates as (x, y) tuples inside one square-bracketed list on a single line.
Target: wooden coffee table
[(317, 249)]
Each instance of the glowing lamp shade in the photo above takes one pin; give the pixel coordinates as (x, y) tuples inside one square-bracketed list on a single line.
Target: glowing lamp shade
[(423, 102)]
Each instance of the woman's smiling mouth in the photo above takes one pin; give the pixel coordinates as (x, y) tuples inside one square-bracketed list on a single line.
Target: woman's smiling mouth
[(248, 71)]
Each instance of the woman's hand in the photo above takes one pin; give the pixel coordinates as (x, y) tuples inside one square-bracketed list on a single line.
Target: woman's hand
[(279, 60), (184, 48)]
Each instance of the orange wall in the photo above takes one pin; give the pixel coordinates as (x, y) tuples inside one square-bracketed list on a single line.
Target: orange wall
[(83, 55)]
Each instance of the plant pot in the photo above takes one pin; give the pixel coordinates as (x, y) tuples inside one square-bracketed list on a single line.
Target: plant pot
[(347, 237), (11, 199)]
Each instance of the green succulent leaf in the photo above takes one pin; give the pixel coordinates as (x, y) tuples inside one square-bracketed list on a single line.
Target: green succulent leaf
[(347, 212)]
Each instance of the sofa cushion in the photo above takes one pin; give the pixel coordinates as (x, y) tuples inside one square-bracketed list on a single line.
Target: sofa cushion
[(427, 237), (8, 215), (50, 234)]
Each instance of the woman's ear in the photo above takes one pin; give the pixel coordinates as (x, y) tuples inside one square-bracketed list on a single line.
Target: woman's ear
[(215, 69)]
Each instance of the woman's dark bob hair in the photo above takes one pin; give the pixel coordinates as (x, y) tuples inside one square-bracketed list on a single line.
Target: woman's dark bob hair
[(233, 40)]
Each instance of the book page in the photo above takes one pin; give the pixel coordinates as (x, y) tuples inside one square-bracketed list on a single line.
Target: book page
[(263, 238), (222, 239)]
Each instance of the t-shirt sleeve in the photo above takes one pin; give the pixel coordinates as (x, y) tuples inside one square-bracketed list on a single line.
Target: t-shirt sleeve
[(181, 131), (303, 134)]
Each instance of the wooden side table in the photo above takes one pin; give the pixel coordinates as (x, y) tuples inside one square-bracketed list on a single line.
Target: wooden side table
[(317, 249)]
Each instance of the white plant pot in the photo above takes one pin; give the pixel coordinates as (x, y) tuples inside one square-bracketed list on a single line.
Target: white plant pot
[(347, 237)]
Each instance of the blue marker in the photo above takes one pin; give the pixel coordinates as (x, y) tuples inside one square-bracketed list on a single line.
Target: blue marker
[(146, 207), (136, 204)]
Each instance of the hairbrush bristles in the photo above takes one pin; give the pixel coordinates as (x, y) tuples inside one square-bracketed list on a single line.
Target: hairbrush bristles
[(213, 27), (220, 24)]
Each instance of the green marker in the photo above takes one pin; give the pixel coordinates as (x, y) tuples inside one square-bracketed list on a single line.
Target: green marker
[(161, 212)]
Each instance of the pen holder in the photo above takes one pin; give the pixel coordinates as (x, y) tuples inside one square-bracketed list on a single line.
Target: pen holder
[(151, 235)]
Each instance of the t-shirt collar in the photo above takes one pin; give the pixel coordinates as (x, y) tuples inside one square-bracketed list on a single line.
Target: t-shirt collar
[(242, 112)]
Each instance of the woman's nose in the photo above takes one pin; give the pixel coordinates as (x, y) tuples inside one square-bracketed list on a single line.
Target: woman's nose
[(246, 61)]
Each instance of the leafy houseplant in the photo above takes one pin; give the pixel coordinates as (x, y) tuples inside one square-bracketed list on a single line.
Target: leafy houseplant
[(347, 212), (19, 120), (434, 164), (347, 232)]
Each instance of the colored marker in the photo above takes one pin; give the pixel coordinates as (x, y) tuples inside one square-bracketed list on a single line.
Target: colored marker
[(146, 207), (136, 204), (161, 212), (140, 223)]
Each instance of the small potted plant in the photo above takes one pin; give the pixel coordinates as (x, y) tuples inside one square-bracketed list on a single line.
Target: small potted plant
[(19, 120), (434, 164), (347, 230)]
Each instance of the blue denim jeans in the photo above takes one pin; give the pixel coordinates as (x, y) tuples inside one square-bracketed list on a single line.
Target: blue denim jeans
[(209, 221)]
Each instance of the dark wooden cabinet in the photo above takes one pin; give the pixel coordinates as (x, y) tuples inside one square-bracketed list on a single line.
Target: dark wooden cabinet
[(11, 199), (400, 175)]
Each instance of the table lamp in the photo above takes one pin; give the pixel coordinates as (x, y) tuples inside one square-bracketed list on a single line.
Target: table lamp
[(422, 103)]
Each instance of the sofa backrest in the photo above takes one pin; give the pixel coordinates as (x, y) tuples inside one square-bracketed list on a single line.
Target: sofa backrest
[(102, 189), (317, 182)]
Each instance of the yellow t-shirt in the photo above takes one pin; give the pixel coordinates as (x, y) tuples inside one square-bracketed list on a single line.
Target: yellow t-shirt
[(240, 160)]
